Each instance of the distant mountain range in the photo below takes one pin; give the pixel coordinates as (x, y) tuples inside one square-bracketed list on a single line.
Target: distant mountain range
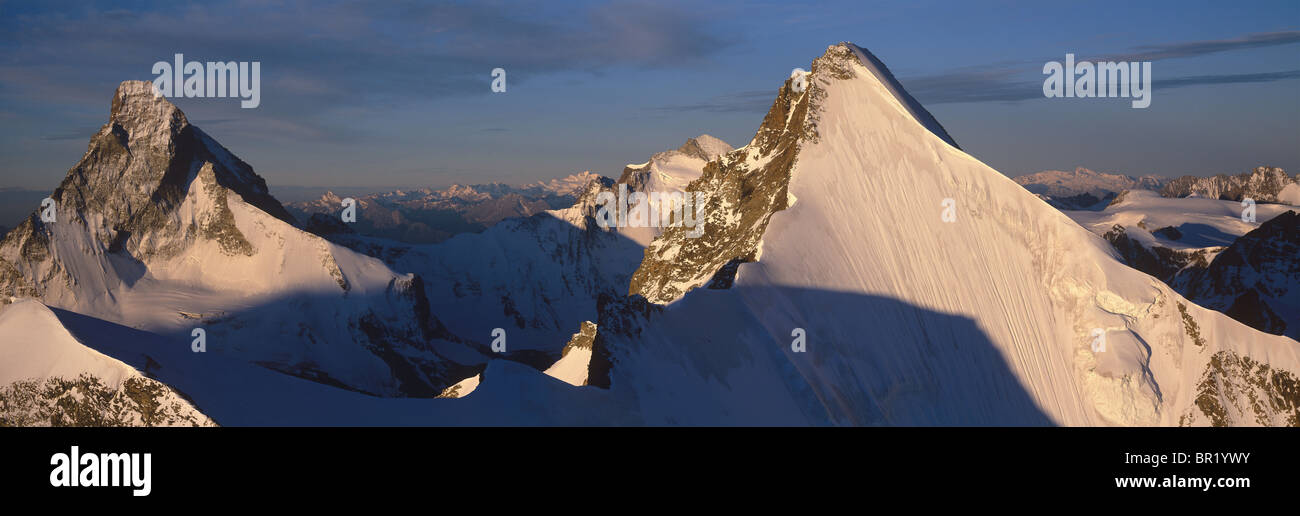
[(1263, 184), (1058, 184), (1086, 189), (428, 216), (431, 216)]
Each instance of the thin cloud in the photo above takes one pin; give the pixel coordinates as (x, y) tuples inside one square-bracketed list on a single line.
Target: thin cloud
[(1205, 47), (1008, 83), (1243, 78), (962, 86), (320, 59), (973, 87), (80, 134), (740, 102)]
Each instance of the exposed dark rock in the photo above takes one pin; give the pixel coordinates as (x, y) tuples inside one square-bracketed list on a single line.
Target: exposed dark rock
[(1236, 386), (1168, 233), (1162, 262), (1083, 201), (739, 196), (89, 401), (1250, 280)]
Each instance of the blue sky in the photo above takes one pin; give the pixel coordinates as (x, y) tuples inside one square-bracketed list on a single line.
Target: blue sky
[(396, 94)]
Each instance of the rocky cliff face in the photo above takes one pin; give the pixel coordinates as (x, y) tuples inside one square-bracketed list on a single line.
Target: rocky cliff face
[(741, 191), (1264, 184)]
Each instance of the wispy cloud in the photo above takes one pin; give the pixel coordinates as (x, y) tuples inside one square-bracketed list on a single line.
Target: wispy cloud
[(207, 122), (973, 85), (1009, 82), (318, 58), (993, 87), (1241, 78), (744, 101), (79, 134), (1205, 47)]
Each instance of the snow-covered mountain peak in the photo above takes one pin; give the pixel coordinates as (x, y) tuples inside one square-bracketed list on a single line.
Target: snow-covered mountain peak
[(853, 220), (747, 185), (564, 186), (466, 192), (161, 228), (137, 168), (330, 198), (705, 147), (882, 74)]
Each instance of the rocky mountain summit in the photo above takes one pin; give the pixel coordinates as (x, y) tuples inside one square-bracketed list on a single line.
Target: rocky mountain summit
[(159, 227), (1263, 184)]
